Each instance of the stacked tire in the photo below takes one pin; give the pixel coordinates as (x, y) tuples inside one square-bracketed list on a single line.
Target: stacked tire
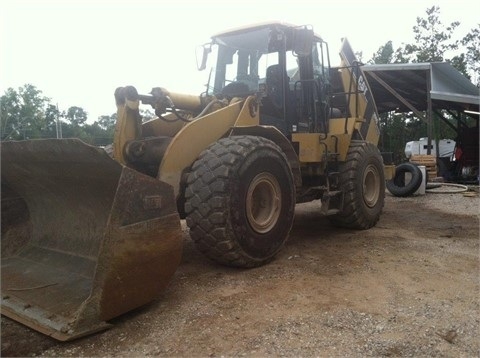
[(398, 186)]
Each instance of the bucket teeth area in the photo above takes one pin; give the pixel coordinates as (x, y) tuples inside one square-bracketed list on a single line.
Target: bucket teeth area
[(84, 238)]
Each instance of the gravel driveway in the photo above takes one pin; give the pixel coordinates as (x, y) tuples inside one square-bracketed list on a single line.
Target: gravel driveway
[(408, 287)]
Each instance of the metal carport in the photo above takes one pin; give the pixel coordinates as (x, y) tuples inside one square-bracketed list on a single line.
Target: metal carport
[(424, 89), (413, 82)]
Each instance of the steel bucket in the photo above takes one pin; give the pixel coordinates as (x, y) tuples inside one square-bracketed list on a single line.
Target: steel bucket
[(84, 238)]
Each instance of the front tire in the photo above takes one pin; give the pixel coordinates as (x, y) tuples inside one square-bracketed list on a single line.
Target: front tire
[(362, 181), (240, 201)]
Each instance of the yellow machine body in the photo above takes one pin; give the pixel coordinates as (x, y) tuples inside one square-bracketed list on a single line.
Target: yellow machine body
[(87, 237)]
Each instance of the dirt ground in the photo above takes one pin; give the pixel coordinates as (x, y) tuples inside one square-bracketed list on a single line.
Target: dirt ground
[(408, 287)]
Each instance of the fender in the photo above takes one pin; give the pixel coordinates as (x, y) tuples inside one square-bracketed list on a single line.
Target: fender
[(278, 138), (192, 139)]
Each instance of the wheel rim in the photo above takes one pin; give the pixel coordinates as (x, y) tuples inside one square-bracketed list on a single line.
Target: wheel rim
[(371, 185), (263, 202)]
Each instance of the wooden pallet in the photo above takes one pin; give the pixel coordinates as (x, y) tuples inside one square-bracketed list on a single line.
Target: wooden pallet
[(429, 161)]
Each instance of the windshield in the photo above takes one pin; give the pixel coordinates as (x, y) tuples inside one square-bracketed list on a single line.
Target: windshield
[(239, 61), (235, 59)]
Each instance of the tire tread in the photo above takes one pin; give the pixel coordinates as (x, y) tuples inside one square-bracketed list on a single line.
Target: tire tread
[(207, 204)]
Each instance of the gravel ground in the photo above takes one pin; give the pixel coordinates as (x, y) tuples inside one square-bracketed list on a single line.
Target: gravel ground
[(408, 287)]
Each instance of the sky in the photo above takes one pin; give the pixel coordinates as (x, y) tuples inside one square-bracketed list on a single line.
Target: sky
[(78, 52)]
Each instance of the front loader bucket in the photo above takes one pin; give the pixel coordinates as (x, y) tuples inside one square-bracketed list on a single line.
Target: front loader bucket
[(84, 239)]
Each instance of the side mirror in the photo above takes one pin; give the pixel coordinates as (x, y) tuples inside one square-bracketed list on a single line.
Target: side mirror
[(202, 54), (303, 41)]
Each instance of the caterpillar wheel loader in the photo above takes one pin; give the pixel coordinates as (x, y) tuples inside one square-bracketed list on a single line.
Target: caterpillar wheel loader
[(86, 237)]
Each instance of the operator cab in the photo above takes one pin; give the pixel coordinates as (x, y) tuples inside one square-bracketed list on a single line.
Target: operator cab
[(286, 66)]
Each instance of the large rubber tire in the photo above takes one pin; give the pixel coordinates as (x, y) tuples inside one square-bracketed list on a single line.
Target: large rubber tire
[(362, 181), (397, 185), (240, 201)]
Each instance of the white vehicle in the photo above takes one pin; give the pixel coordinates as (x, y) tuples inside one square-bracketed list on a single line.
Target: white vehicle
[(446, 147)]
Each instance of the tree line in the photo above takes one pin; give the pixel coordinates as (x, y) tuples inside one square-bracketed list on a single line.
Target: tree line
[(26, 113)]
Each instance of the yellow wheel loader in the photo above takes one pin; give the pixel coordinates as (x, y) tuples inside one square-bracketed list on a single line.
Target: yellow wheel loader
[(86, 237)]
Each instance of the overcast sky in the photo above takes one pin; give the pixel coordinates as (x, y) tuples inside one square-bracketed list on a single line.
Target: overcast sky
[(78, 52)]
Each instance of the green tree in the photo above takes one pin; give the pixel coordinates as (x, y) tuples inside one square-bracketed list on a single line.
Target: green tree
[(96, 135), (23, 113), (104, 128), (384, 54), (76, 116), (52, 120), (432, 39), (471, 43), (27, 114), (10, 105), (435, 42), (107, 122)]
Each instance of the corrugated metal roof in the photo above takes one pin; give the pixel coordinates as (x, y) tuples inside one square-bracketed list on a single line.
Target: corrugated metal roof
[(449, 89)]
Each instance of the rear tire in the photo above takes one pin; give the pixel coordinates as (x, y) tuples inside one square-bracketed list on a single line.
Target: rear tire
[(240, 201), (362, 181)]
